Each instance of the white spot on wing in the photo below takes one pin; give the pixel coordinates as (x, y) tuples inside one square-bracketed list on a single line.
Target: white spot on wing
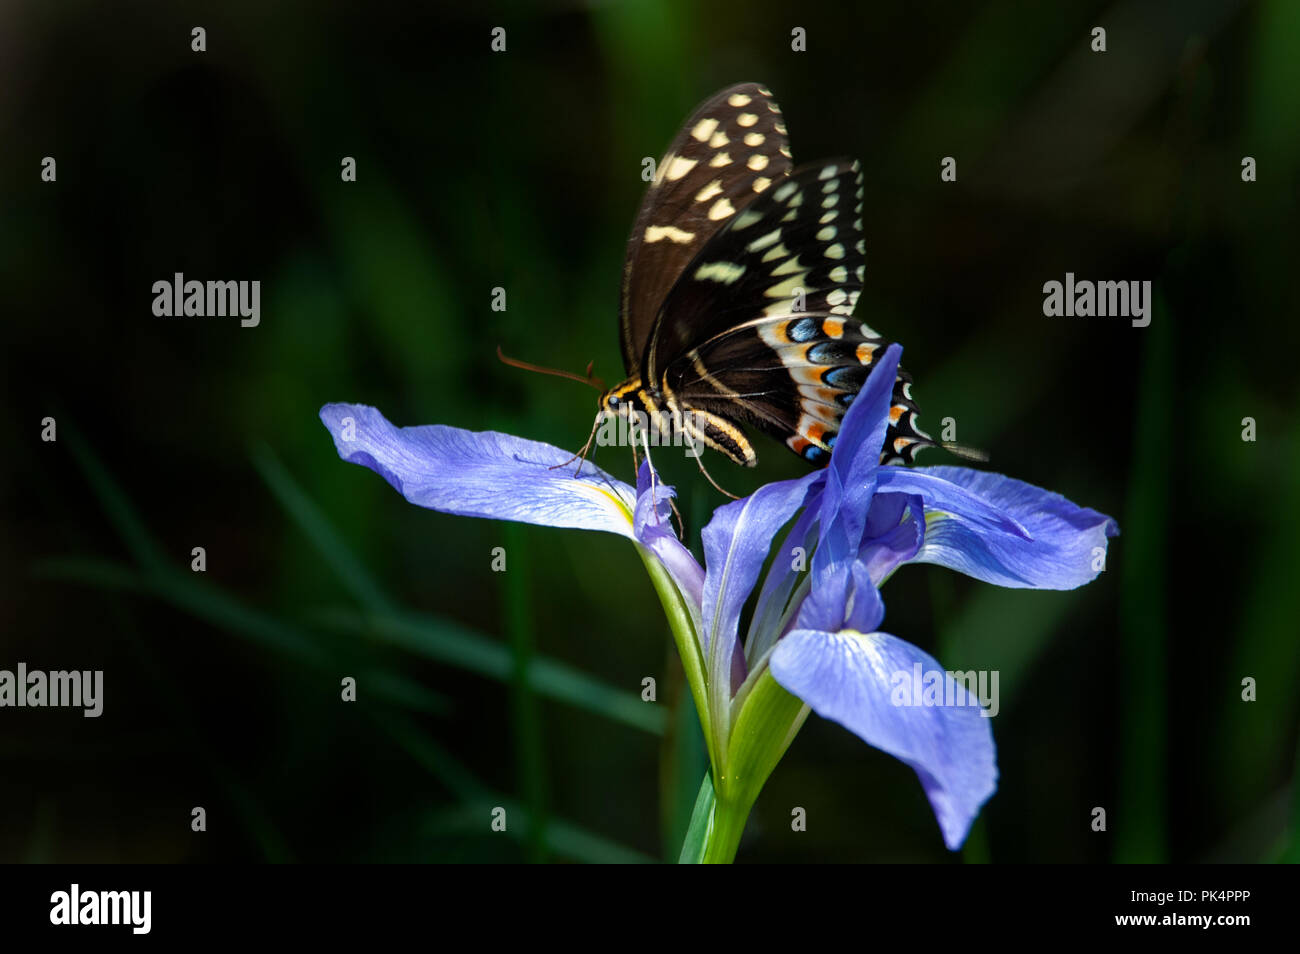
[(746, 119), (757, 162), (738, 100)]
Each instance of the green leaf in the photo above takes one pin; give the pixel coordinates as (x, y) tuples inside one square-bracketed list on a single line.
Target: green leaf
[(698, 830), (767, 723)]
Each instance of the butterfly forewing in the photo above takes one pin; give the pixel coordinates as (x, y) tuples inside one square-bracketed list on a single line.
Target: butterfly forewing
[(797, 248), (732, 149)]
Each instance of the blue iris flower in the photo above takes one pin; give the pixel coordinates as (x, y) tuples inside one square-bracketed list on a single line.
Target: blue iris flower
[(815, 631)]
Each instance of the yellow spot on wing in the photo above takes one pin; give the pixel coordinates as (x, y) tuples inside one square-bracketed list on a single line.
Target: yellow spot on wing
[(704, 129), (709, 191), (679, 167), (721, 209), (655, 233)]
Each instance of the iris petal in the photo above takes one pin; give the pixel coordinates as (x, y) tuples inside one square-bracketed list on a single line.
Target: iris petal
[(481, 473), (1049, 543), (851, 678)]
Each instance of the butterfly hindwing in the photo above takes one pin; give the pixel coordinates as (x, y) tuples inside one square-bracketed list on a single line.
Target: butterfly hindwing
[(793, 377), (729, 151)]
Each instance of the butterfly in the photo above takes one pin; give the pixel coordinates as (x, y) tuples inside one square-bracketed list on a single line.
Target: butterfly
[(741, 276)]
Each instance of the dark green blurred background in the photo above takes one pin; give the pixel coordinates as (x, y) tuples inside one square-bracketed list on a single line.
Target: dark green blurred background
[(522, 170)]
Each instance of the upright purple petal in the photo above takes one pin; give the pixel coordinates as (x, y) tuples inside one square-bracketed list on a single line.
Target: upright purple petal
[(893, 534), (736, 544), (1046, 542), (843, 596), (481, 473), (856, 679)]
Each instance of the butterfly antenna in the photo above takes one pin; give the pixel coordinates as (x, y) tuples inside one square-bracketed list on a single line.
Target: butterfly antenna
[(966, 453), (590, 380)]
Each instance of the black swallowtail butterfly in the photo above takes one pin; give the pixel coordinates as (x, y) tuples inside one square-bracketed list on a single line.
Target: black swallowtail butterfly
[(739, 285)]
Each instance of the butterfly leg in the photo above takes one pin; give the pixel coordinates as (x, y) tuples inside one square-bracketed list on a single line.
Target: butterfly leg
[(582, 453)]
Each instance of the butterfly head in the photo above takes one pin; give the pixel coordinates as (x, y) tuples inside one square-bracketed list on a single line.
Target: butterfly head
[(623, 400)]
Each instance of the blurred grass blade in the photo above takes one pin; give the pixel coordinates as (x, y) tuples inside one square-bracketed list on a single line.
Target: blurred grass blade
[(449, 643), (313, 522), (210, 604), (141, 544), (563, 838), (525, 716), (1139, 822), (441, 640)]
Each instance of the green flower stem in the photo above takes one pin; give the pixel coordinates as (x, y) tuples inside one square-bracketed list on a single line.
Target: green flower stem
[(682, 624), (765, 721), (725, 828)]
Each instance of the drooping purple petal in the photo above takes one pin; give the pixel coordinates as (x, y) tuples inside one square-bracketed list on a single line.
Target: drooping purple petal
[(481, 473), (653, 527), (856, 679), (1054, 544)]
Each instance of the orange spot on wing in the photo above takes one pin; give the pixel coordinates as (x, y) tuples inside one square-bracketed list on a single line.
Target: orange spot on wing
[(896, 412), (833, 327), (866, 353)]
